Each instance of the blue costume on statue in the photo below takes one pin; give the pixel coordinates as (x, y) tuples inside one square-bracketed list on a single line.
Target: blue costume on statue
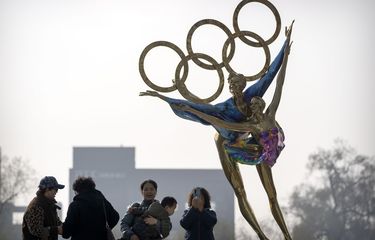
[(227, 110)]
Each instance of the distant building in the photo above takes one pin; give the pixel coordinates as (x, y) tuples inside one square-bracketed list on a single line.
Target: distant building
[(11, 221), (113, 170)]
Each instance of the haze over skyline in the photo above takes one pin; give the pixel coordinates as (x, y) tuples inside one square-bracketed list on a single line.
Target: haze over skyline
[(69, 77)]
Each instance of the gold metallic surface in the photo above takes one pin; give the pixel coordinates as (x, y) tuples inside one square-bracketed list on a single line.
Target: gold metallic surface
[(265, 174), (142, 67), (233, 174), (256, 121), (219, 25), (261, 42), (275, 13), (180, 83)]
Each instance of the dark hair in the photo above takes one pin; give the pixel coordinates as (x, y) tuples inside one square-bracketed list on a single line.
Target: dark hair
[(82, 184), (204, 192), (168, 201), (41, 192), (151, 182)]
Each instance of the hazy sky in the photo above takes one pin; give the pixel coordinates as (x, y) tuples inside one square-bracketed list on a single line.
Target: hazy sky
[(69, 77)]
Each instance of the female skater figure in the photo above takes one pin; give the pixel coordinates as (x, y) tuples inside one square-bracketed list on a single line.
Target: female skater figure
[(246, 134)]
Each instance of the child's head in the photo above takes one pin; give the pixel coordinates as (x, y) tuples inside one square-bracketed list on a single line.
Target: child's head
[(170, 204)]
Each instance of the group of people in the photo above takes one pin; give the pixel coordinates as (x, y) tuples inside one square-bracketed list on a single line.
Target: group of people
[(91, 214)]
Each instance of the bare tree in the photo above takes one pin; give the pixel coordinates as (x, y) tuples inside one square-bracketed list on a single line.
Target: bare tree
[(268, 225), (16, 175), (244, 232), (339, 201)]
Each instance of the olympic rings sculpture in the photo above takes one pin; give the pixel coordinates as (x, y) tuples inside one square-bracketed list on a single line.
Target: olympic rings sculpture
[(179, 81)]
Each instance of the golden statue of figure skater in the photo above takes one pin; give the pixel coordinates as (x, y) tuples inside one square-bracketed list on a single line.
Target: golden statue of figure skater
[(246, 134)]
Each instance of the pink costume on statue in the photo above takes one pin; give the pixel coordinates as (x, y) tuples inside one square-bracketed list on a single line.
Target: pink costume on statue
[(271, 143)]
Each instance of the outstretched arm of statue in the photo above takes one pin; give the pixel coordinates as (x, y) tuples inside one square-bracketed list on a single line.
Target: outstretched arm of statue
[(239, 127), (272, 108), (152, 94)]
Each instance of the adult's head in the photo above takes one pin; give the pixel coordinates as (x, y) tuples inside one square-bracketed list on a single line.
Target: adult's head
[(149, 189), (237, 83), (203, 195), (83, 184), (170, 204), (48, 187)]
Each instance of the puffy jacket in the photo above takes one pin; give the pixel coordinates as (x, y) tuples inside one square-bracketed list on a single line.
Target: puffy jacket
[(130, 218), (157, 231)]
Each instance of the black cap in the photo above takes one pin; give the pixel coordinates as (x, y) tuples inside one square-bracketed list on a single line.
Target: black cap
[(50, 182)]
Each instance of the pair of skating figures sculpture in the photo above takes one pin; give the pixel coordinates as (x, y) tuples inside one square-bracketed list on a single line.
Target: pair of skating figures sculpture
[(247, 131)]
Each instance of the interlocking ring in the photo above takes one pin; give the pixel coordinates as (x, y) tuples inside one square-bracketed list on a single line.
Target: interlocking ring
[(260, 41), (181, 82), (190, 35), (275, 13), (142, 67)]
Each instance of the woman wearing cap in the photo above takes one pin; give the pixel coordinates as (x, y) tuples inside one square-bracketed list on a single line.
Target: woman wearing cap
[(40, 220)]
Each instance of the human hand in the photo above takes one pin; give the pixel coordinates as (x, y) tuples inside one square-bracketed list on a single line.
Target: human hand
[(134, 237), (149, 220), (45, 233), (133, 210), (59, 230), (130, 210)]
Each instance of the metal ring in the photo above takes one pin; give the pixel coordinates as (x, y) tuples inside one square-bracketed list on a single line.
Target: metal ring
[(260, 41), (181, 87), (275, 13), (142, 69), (190, 35)]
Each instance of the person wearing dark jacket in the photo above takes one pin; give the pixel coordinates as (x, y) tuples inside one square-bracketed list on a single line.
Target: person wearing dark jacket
[(85, 218), (161, 211), (199, 219), (40, 221)]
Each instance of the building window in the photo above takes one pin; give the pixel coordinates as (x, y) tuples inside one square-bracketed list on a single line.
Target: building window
[(17, 218)]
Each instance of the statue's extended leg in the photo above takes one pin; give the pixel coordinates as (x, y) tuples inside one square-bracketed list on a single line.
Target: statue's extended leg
[(233, 175), (265, 175)]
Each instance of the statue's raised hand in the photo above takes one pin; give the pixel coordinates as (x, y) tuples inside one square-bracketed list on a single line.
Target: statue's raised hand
[(288, 34), (288, 30)]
